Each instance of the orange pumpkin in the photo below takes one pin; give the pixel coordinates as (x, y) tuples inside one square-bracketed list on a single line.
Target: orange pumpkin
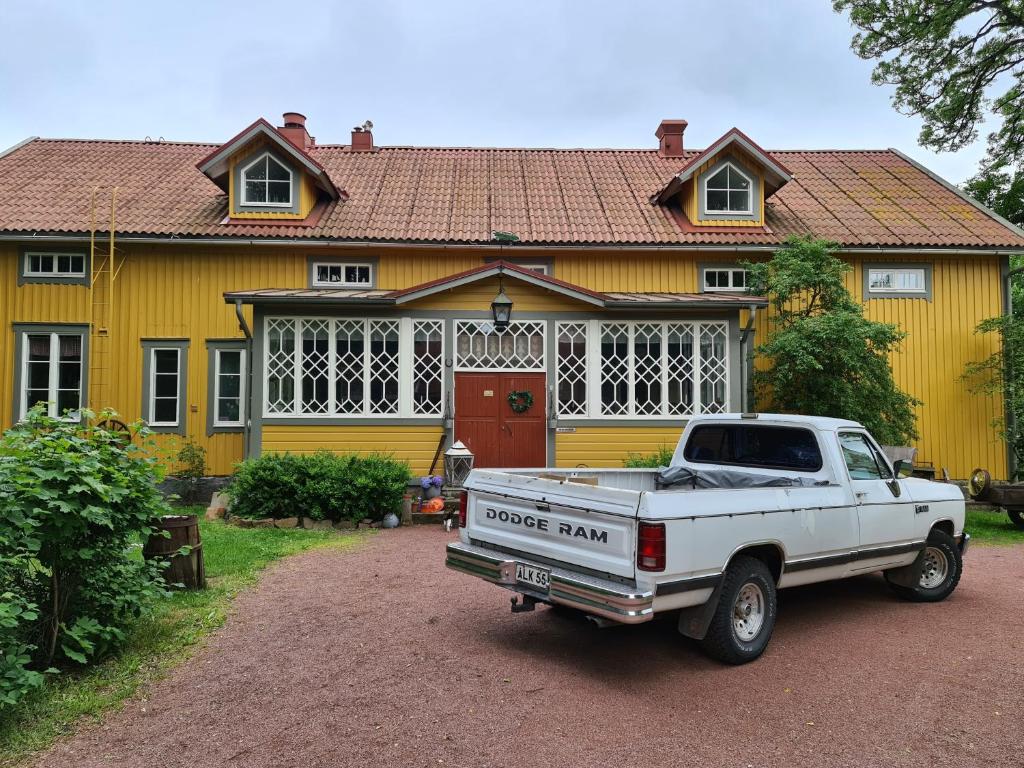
[(435, 504)]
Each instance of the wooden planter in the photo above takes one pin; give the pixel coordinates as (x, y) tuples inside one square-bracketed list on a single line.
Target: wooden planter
[(182, 569)]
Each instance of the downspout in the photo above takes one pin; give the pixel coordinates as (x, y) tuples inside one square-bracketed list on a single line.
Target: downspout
[(244, 327), (1011, 457), (747, 362)]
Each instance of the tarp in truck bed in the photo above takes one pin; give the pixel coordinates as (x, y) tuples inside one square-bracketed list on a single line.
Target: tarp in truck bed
[(674, 477)]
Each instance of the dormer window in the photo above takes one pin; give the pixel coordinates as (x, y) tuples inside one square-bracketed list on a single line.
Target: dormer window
[(728, 191), (266, 182)]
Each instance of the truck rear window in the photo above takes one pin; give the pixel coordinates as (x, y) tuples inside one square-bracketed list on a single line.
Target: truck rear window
[(751, 445)]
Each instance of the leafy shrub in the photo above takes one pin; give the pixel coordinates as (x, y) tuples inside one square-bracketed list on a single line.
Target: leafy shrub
[(660, 458), (191, 467), (321, 486), (75, 502)]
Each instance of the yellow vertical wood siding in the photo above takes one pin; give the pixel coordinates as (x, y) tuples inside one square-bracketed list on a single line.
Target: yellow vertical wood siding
[(415, 445), (177, 292), (607, 445)]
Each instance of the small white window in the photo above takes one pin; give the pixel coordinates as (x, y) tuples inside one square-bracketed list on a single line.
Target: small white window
[(229, 387), (727, 191), (725, 279), (164, 387), (52, 373), (897, 281), (541, 268), (54, 264), (343, 275), (267, 182)]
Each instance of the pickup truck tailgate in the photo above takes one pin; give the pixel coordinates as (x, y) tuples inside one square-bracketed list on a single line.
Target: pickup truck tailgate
[(587, 526)]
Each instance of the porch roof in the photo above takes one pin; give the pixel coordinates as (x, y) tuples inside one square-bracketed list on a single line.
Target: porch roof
[(381, 297)]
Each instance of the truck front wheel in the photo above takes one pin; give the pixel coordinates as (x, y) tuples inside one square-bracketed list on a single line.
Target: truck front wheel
[(745, 616), (941, 566)]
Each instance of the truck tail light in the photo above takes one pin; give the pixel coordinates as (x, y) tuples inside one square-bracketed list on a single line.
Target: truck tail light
[(463, 508), (650, 547)]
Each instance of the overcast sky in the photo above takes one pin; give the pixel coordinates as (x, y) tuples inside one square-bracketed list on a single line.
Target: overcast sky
[(551, 73)]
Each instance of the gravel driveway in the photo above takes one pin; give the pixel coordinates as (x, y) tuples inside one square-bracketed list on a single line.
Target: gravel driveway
[(381, 657)]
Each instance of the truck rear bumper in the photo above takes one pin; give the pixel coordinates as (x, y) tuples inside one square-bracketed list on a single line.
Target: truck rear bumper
[(600, 597)]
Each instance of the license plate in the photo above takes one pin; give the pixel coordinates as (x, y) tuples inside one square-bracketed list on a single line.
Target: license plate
[(535, 577)]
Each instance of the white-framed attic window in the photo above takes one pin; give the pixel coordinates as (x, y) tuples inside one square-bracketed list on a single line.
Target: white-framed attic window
[(728, 190), (724, 279), (267, 182), (41, 264), (343, 275)]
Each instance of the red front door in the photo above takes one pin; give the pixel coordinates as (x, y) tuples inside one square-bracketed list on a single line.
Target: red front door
[(486, 423)]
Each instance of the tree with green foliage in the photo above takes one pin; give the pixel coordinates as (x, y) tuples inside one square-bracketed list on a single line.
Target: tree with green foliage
[(954, 64), (75, 503), (825, 358)]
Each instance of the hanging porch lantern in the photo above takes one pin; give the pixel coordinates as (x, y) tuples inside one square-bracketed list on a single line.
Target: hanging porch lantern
[(501, 307), (458, 461)]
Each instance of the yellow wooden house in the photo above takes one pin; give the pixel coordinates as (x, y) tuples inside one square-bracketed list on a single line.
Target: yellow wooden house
[(273, 293)]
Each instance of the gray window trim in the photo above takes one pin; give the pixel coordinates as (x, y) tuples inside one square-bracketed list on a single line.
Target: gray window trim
[(237, 208), (866, 268), (213, 346), (26, 279), (704, 266), (548, 262), (373, 261), (148, 345), (755, 193), (20, 329)]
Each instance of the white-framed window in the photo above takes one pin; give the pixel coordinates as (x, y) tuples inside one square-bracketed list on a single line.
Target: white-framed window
[(46, 264), (641, 369), (728, 190), (52, 373), (164, 387), (267, 182), (332, 275), (353, 367), (897, 280), (541, 268), (723, 279), (228, 387)]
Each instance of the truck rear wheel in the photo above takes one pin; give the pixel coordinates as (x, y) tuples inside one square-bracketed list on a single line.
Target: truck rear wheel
[(941, 566), (1016, 517), (745, 616)]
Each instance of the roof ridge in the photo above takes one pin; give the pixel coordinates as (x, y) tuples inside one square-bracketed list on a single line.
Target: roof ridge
[(153, 142)]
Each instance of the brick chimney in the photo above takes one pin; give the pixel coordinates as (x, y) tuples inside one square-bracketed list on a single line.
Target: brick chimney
[(670, 138), (362, 138), (294, 129)]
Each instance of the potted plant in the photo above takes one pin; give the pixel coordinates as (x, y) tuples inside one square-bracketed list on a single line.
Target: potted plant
[(431, 485)]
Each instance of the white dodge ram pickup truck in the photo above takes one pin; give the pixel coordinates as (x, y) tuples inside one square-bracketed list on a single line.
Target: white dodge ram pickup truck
[(751, 503)]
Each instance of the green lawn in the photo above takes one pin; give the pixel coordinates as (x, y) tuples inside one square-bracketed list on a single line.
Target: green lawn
[(992, 528), (233, 557)]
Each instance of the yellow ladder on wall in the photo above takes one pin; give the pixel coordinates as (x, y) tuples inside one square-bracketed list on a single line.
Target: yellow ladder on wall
[(105, 264)]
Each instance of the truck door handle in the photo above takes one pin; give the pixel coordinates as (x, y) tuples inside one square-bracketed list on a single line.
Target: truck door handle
[(861, 494)]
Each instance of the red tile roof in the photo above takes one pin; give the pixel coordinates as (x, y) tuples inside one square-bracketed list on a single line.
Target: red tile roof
[(545, 196)]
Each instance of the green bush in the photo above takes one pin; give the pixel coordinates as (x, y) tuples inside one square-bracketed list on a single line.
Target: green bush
[(75, 502), (660, 458), (320, 486)]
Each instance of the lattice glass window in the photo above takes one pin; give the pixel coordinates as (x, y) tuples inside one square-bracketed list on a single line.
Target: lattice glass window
[(280, 365), (315, 365), (427, 366), (615, 365), (571, 368), (647, 367), (384, 336), (680, 368), (349, 365), (713, 367), (662, 369), (479, 346)]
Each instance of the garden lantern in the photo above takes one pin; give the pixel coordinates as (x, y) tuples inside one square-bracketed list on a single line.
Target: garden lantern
[(458, 461)]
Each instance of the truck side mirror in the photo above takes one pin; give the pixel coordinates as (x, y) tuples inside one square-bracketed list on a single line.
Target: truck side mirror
[(897, 467)]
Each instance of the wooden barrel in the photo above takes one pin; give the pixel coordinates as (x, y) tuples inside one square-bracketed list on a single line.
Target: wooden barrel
[(182, 569)]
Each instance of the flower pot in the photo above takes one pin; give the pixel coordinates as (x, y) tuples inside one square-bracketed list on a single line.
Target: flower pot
[(431, 492), (390, 520)]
